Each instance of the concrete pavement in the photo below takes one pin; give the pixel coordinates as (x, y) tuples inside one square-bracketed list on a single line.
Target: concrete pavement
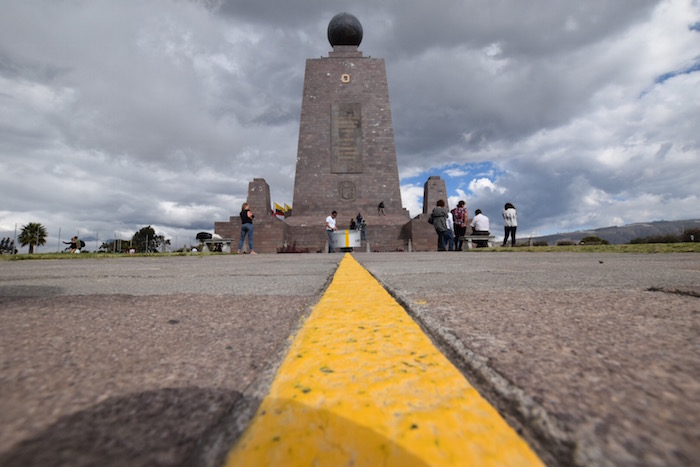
[(594, 358)]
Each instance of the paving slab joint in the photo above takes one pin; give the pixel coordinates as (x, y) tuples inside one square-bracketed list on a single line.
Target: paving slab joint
[(688, 291), (550, 438)]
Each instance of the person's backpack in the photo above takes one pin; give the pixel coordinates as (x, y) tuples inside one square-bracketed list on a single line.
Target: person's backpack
[(82, 244)]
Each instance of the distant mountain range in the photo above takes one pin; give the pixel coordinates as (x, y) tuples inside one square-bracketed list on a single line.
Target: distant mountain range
[(625, 233)]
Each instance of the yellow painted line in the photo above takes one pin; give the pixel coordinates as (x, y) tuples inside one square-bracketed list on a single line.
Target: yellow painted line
[(362, 385)]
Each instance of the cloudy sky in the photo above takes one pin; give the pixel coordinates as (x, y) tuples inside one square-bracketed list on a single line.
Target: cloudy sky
[(115, 115)]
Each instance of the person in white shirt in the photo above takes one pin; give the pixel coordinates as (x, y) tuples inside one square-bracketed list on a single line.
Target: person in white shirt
[(330, 228), (510, 223), (480, 226), (449, 233)]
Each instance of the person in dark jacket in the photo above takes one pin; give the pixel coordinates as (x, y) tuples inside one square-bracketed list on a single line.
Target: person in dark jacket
[(247, 217), (439, 220)]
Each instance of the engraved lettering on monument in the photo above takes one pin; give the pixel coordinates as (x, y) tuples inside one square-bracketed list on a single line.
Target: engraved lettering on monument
[(346, 138)]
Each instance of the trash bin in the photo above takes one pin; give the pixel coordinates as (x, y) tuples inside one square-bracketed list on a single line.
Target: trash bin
[(346, 239)]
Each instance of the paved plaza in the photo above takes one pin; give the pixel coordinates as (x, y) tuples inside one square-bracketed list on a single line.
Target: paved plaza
[(592, 358)]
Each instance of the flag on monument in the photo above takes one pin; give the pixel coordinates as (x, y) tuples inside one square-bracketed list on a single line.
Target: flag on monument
[(279, 212)]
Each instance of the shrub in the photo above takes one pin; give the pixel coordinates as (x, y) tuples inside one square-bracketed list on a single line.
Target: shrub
[(665, 238), (593, 240), (691, 235)]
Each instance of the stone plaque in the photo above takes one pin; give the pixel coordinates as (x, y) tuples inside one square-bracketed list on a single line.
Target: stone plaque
[(346, 190), (346, 138)]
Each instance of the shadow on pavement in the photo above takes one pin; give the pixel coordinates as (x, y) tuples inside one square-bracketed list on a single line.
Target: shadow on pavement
[(149, 428)]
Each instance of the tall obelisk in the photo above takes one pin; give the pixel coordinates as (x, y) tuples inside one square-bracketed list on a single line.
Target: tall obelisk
[(346, 159)]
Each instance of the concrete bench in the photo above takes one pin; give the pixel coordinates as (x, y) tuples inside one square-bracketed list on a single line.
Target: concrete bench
[(475, 238)]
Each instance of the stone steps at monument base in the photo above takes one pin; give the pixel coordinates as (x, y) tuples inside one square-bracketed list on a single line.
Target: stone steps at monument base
[(384, 234)]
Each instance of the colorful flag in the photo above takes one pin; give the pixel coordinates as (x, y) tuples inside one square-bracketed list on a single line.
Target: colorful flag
[(279, 211)]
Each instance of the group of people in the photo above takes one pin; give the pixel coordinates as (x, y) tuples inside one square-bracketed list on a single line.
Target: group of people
[(74, 245), (451, 226), (358, 223), (247, 217)]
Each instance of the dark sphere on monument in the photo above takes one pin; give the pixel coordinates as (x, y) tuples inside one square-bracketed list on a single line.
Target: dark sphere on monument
[(344, 29)]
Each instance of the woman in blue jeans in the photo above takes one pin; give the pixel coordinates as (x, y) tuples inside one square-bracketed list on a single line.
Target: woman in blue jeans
[(247, 217)]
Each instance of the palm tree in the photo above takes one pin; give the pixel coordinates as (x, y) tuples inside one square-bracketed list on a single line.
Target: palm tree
[(32, 234)]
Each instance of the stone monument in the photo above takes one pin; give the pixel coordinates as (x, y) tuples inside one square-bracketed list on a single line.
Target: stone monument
[(346, 157)]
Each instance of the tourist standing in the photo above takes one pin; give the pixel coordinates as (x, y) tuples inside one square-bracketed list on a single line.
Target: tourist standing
[(510, 223), (439, 220), (449, 233), (361, 226), (459, 214), (330, 228), (247, 217)]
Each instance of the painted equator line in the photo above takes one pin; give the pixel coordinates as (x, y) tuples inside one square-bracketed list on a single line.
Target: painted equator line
[(363, 385)]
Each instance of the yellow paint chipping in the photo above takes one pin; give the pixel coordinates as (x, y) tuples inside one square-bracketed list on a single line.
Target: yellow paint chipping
[(363, 385)]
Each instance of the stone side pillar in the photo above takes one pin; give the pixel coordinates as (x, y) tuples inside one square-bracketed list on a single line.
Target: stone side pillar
[(268, 231), (434, 190), (259, 198)]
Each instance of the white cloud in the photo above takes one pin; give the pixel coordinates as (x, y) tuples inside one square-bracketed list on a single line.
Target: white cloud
[(412, 198), (114, 116), (482, 185), (456, 172)]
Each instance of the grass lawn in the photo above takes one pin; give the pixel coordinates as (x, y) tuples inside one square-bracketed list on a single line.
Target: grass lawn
[(627, 248)]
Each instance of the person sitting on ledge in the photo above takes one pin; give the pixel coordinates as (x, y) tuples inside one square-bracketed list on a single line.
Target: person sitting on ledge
[(480, 226)]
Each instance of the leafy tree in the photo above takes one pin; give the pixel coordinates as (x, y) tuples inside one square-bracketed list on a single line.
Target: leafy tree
[(146, 240), (33, 234)]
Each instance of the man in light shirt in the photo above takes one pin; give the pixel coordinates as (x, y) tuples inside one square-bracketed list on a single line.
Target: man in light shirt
[(449, 233), (480, 226), (330, 228)]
